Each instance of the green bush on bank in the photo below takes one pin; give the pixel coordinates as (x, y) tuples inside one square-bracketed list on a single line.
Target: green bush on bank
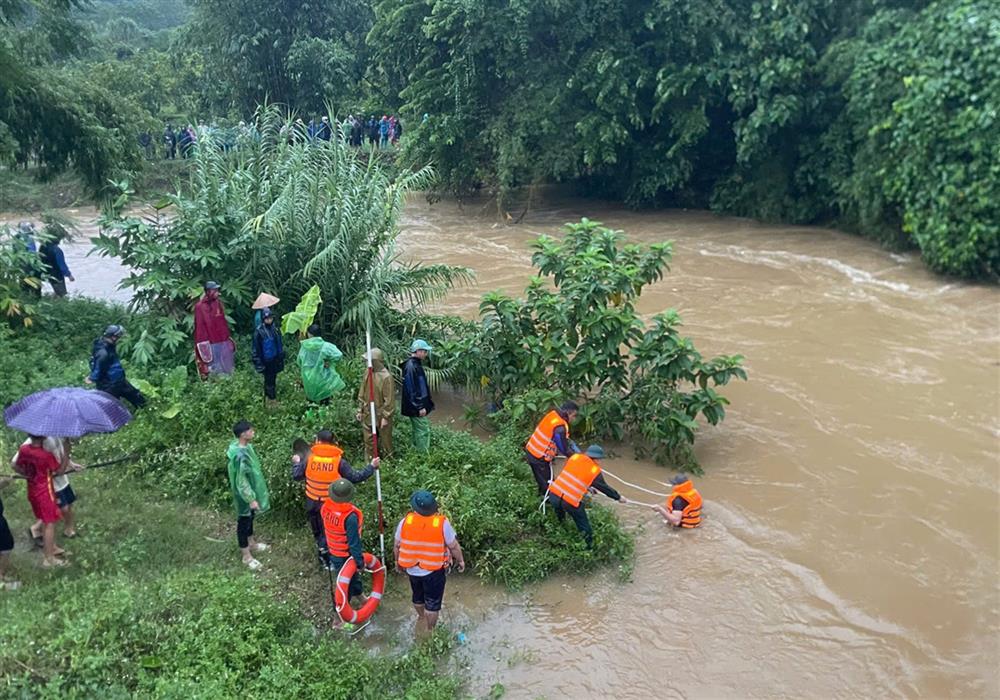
[(485, 488)]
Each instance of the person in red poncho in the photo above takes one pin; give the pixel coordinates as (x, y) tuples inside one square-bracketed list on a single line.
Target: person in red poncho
[(213, 347)]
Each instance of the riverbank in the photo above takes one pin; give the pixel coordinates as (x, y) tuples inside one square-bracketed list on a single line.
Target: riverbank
[(864, 448), (162, 529), (21, 192)]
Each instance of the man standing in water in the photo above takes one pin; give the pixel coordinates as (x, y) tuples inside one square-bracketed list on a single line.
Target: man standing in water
[(580, 473), (551, 436), (683, 505), (213, 346), (425, 545), (416, 402)]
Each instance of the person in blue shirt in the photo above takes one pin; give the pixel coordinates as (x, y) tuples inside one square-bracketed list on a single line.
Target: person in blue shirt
[(54, 261), (268, 354), (106, 370)]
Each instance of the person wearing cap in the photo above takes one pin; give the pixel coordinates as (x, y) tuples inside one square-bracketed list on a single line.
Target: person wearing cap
[(250, 495), (106, 371), (316, 360), (342, 522), (383, 388), (268, 354), (324, 465), (580, 474), (551, 437), (415, 398), (214, 348), (683, 505), (425, 545)]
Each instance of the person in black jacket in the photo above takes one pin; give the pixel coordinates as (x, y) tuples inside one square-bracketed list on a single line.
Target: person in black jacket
[(415, 401), (106, 369), (268, 354)]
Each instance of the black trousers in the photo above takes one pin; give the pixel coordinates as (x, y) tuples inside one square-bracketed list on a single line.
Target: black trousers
[(541, 469), (244, 530), (316, 524), (271, 369), (578, 513), (124, 390)]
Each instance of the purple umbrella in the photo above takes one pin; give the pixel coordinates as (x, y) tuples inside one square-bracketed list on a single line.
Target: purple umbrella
[(69, 412)]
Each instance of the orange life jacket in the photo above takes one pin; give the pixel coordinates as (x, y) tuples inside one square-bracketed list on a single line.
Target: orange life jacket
[(541, 444), (334, 515), (575, 478), (322, 469), (691, 515), (421, 542)]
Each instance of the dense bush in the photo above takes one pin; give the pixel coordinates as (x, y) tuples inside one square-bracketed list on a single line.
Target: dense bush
[(485, 488), (881, 116), (581, 336), (280, 215)]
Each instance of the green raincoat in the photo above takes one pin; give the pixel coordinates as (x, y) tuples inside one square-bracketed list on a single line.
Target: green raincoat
[(316, 359), (246, 480)]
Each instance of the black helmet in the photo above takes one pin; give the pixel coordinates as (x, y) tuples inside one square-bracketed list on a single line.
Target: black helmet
[(114, 331)]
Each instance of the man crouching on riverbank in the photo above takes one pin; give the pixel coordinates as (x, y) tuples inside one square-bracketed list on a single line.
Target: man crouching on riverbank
[(426, 544)]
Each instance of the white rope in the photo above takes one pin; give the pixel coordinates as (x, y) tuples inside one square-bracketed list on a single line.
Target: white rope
[(635, 486), (630, 502)]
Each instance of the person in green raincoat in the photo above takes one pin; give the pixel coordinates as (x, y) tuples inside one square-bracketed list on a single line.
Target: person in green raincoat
[(316, 360), (249, 489)]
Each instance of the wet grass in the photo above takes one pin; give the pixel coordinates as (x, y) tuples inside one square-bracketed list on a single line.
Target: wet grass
[(156, 602)]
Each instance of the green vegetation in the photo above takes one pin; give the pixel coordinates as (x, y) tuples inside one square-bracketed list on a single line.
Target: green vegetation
[(278, 215), (876, 115), (880, 116), (156, 605), (485, 488), (582, 336)]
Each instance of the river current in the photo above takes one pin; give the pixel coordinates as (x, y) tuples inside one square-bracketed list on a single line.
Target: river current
[(851, 545)]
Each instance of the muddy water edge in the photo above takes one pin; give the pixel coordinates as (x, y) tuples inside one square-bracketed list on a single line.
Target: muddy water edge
[(852, 541)]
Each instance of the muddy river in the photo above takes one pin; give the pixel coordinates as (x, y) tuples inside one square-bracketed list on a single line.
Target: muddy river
[(852, 537)]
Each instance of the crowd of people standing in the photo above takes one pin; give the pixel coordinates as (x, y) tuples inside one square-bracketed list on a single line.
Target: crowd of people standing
[(180, 141)]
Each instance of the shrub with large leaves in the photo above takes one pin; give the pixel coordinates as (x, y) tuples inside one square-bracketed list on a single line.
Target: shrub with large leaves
[(279, 213)]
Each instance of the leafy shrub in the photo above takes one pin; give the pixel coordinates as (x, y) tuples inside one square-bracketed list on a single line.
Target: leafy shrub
[(278, 214), (582, 337)]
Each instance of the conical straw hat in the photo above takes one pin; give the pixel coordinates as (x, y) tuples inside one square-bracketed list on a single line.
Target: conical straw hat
[(264, 300)]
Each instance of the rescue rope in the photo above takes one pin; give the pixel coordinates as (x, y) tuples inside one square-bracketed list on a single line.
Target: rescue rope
[(631, 502), (635, 486)]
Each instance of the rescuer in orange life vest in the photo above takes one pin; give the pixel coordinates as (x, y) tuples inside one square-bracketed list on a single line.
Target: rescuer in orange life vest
[(325, 464), (342, 523), (580, 474), (683, 505), (425, 545), (551, 437)]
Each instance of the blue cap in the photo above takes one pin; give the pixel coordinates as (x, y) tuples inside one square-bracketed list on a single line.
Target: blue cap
[(423, 502), (212, 285), (595, 452), (419, 344)]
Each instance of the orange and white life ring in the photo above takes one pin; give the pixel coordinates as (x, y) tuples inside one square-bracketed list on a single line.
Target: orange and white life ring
[(342, 598)]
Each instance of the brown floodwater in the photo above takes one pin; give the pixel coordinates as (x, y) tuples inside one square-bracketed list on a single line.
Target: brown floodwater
[(851, 545)]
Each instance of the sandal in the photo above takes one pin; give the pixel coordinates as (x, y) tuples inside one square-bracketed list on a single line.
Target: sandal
[(53, 563), (70, 535)]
